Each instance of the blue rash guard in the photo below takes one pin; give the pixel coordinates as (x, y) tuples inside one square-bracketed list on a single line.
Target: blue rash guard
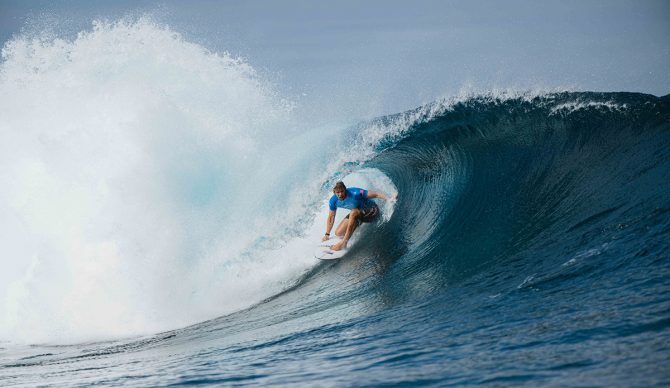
[(356, 199)]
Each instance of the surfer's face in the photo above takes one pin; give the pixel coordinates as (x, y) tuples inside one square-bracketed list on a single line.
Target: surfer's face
[(341, 194)]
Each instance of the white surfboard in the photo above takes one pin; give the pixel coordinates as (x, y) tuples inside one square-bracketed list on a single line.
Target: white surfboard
[(323, 251)]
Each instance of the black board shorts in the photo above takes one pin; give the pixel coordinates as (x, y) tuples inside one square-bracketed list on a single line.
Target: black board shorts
[(367, 215)]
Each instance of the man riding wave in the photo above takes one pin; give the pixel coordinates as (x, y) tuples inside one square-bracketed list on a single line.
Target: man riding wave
[(363, 209)]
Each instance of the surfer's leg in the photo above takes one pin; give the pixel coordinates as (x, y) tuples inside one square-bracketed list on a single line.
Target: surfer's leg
[(351, 226), (353, 223), (344, 224), (342, 227)]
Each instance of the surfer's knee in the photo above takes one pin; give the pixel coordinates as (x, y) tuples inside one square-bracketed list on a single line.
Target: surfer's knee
[(354, 213)]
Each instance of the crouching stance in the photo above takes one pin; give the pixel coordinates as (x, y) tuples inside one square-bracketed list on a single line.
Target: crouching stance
[(363, 209)]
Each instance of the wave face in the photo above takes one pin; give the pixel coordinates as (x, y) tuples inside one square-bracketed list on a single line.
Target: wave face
[(529, 243), (542, 181)]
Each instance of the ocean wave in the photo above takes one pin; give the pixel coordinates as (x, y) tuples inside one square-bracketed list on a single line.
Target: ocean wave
[(150, 184)]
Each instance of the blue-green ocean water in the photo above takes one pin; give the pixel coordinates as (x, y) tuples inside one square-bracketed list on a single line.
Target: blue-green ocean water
[(530, 245)]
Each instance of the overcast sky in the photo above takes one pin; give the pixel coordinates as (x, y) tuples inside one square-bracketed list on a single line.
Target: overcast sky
[(395, 55)]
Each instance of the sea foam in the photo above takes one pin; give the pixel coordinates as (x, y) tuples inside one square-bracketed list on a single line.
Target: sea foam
[(126, 154), (148, 183)]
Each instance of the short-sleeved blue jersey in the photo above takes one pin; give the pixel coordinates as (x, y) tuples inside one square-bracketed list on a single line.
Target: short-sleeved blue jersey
[(356, 199)]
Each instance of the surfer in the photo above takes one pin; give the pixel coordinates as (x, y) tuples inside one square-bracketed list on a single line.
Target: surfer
[(363, 209)]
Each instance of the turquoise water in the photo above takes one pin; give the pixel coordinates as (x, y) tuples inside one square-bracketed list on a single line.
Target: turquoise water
[(161, 204), (544, 260)]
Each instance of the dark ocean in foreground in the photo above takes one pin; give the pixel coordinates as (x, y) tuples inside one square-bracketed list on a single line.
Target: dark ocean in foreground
[(530, 245)]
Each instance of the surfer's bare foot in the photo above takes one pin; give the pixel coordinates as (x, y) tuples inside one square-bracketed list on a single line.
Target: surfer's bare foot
[(339, 246)]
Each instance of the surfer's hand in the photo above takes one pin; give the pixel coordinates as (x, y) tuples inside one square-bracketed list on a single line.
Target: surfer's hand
[(325, 237)]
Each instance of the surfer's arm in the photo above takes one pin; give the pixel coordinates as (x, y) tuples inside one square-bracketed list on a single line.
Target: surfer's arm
[(329, 224), (380, 195), (377, 194)]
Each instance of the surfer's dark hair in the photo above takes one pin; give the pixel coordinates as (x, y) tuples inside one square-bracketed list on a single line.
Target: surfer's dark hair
[(340, 186)]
